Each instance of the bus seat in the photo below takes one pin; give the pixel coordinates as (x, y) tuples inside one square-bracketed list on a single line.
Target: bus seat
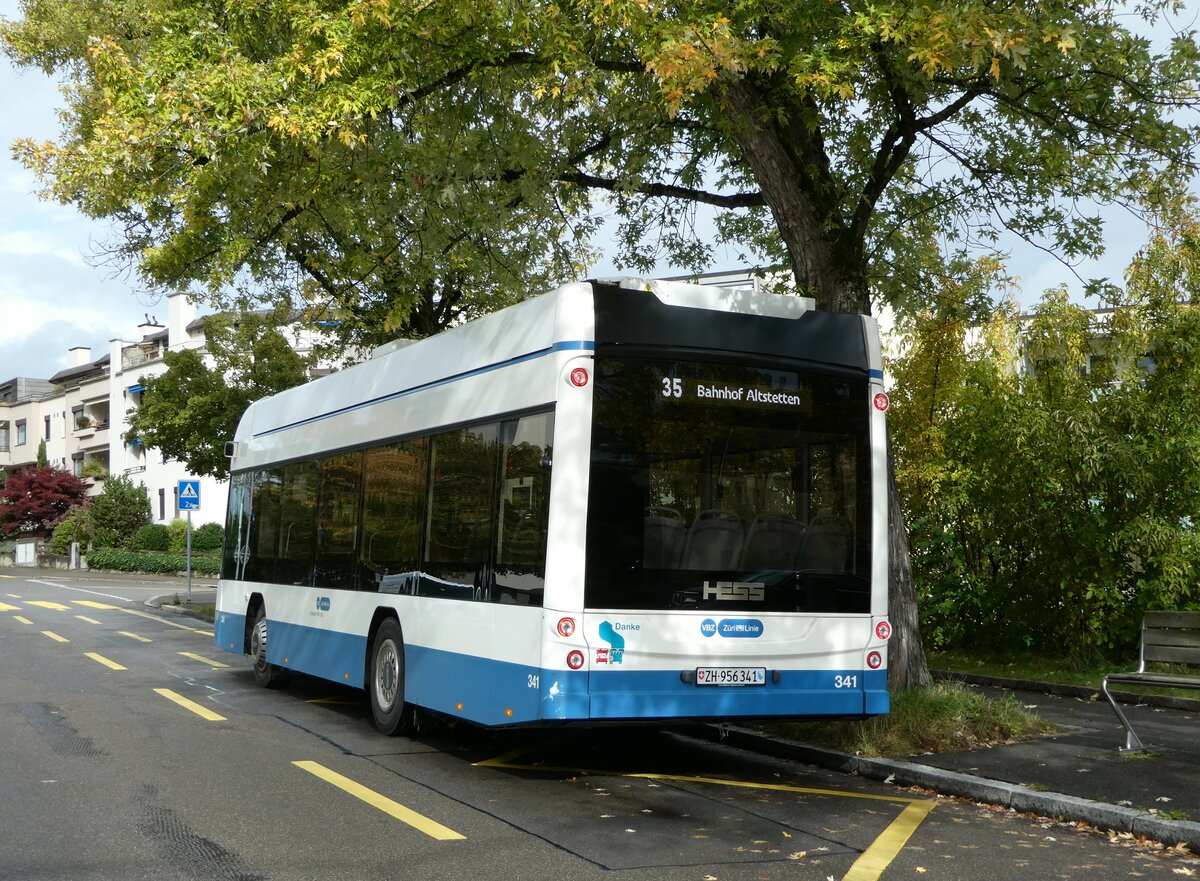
[(773, 542), (826, 545), (714, 541), (663, 535)]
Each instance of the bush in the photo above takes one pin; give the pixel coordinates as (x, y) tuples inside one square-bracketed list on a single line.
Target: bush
[(152, 537), (178, 530), (123, 508), (103, 537), (153, 562), (76, 527), (208, 538)]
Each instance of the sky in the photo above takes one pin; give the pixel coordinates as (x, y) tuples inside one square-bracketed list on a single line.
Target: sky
[(55, 296)]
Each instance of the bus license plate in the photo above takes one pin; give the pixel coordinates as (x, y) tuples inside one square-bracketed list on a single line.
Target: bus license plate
[(731, 675)]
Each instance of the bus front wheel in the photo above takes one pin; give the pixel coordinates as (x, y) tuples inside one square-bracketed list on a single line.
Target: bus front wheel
[(265, 674), (386, 684)]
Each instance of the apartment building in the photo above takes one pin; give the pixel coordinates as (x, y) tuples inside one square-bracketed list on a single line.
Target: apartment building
[(82, 414)]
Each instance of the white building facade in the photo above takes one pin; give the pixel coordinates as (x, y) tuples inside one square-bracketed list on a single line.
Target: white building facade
[(82, 414)]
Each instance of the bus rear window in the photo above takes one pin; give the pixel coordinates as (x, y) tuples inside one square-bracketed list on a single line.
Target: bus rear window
[(727, 486)]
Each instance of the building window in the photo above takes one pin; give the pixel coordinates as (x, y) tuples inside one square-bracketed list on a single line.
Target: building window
[(47, 418), (21, 433), (162, 504)]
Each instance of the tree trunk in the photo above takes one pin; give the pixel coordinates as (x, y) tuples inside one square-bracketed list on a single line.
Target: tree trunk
[(906, 653)]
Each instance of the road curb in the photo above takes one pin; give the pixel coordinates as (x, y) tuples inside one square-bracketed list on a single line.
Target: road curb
[(165, 602), (1104, 816)]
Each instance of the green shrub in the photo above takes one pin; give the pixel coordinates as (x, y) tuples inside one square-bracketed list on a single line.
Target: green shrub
[(178, 530), (122, 508), (153, 562), (77, 526), (103, 537), (152, 537), (208, 538)]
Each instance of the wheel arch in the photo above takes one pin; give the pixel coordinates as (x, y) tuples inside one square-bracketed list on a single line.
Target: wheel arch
[(382, 613), (255, 603)]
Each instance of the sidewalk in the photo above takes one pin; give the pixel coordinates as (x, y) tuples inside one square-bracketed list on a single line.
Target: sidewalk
[(1079, 775)]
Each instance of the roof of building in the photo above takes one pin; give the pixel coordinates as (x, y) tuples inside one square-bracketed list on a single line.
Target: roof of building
[(80, 372)]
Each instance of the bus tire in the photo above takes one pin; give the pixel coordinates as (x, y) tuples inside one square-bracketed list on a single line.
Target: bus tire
[(385, 683), (266, 674)]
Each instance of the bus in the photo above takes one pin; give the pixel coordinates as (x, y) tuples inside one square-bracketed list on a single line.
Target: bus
[(619, 501)]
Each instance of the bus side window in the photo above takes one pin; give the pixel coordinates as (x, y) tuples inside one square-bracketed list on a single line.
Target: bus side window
[(389, 551), (339, 477), (459, 525), (263, 538), (297, 521), (520, 569)]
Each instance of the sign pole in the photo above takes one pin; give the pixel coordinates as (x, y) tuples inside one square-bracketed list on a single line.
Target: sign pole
[(189, 558), (189, 500)]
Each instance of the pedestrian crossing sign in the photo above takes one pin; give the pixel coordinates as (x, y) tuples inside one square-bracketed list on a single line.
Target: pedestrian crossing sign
[(189, 495)]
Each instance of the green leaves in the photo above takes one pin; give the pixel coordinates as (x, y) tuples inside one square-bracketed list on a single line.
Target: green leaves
[(1053, 488), (382, 150), (189, 412)]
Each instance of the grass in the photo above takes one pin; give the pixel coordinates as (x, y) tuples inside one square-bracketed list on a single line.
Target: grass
[(1044, 668), (1040, 668), (206, 612), (943, 718)]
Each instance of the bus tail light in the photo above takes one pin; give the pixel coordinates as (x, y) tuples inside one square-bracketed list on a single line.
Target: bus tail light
[(566, 627), (882, 403), (575, 659), (874, 660), (883, 630)]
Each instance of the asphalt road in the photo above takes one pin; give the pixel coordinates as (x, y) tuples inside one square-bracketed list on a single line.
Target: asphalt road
[(131, 748)]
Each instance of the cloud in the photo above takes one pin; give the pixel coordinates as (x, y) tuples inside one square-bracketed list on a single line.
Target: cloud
[(31, 243)]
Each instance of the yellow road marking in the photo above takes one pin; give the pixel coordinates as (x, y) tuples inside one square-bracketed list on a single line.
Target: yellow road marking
[(100, 659), (165, 621), (201, 711), (87, 619), (870, 865), (8, 576), (380, 802), (134, 636), (47, 604), (195, 657), (92, 604), (15, 596), (8, 607), (22, 619), (54, 636)]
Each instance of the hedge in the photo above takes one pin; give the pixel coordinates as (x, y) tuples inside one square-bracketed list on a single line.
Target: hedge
[(150, 561)]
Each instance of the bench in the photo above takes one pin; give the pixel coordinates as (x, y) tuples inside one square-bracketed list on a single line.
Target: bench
[(1167, 638)]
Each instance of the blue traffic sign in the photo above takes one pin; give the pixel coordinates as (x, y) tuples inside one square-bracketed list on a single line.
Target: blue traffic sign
[(189, 495)]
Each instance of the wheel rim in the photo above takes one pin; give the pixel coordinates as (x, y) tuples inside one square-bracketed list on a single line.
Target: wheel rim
[(258, 643), (387, 675)]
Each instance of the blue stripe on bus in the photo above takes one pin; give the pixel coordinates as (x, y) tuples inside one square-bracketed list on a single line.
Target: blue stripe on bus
[(492, 692), (875, 374), (564, 346)]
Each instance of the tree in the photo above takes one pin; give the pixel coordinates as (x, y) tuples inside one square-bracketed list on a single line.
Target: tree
[(119, 512), (838, 139), (1053, 506), (42, 461), (34, 501), (189, 412)]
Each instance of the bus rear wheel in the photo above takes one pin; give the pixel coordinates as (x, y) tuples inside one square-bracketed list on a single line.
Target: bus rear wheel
[(385, 685), (265, 674)]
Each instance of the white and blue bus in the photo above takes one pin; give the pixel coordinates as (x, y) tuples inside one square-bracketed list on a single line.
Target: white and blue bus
[(621, 500)]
